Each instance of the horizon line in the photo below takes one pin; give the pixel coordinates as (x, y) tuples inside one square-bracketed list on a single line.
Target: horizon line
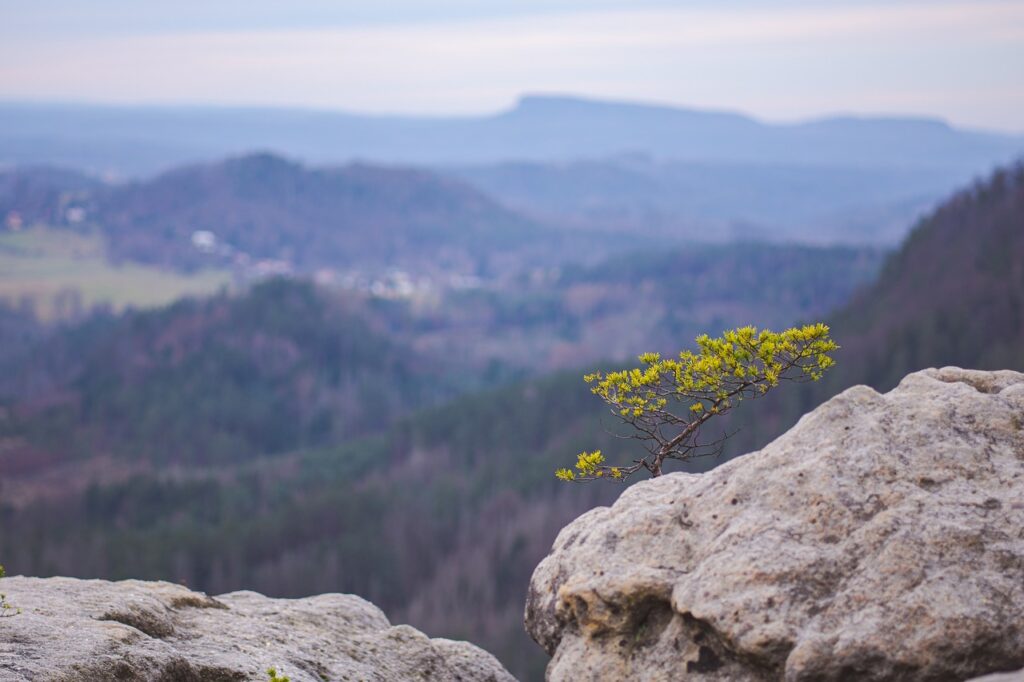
[(516, 103)]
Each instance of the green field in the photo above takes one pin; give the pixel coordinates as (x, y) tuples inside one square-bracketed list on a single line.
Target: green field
[(59, 270)]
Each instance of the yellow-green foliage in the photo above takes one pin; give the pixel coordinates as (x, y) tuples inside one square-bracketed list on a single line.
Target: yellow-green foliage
[(668, 400), (273, 676), (5, 608)]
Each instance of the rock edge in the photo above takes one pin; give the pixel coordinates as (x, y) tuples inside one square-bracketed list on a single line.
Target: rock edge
[(879, 539), (72, 629)]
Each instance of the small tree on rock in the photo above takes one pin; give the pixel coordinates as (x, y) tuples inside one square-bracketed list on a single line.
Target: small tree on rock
[(667, 401)]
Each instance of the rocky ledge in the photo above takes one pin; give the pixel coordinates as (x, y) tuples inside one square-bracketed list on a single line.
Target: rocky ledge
[(71, 630), (882, 538)]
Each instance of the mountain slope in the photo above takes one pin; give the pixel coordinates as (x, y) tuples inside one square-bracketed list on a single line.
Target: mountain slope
[(213, 382), (267, 207), (952, 295), (718, 201)]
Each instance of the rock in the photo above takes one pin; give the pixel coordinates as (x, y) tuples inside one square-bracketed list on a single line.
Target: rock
[(89, 630), (1017, 676), (881, 538)]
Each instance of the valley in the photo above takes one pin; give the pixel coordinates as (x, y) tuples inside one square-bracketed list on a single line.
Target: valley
[(263, 373)]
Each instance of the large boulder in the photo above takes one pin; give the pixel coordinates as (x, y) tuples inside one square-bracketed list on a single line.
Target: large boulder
[(88, 630), (881, 538)]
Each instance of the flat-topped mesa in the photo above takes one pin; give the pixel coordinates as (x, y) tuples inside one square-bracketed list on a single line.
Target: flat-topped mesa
[(879, 539), (72, 630)]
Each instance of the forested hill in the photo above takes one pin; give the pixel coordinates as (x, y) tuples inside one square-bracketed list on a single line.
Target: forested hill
[(952, 295), (267, 207), (706, 201), (212, 382)]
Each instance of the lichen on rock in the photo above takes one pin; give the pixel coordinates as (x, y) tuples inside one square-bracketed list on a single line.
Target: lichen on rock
[(879, 539)]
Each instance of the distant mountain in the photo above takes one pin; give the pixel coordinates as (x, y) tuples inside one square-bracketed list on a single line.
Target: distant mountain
[(539, 128), (262, 206), (599, 165), (718, 201), (567, 127)]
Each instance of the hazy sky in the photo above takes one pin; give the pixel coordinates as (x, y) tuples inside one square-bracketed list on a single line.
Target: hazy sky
[(962, 60)]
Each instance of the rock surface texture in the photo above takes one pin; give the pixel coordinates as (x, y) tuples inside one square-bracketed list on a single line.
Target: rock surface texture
[(882, 538), (92, 630)]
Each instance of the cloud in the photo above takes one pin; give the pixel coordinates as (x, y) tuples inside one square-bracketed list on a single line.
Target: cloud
[(779, 62)]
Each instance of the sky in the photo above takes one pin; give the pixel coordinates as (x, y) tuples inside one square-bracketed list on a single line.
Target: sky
[(778, 60)]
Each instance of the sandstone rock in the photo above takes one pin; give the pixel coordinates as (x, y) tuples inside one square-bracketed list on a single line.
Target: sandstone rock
[(881, 538), (94, 630)]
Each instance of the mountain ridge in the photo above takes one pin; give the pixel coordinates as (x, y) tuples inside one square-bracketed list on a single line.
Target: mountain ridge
[(265, 206), (537, 127)]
